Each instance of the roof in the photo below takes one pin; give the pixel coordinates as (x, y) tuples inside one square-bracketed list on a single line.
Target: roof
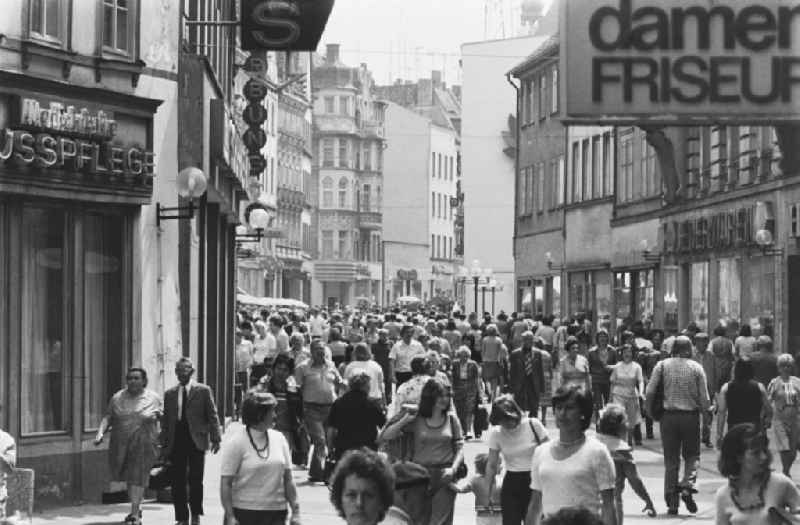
[(545, 50), (448, 101)]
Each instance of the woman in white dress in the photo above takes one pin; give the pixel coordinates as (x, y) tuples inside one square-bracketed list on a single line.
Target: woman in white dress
[(627, 388)]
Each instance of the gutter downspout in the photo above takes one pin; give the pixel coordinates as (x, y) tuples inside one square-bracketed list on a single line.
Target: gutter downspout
[(516, 185)]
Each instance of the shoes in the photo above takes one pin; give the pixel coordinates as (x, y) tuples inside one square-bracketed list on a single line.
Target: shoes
[(688, 500), (468, 436), (650, 435), (650, 511), (195, 520), (672, 511), (638, 443), (708, 444), (182, 522)]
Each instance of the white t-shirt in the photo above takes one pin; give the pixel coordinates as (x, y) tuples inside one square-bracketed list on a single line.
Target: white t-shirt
[(402, 354), (264, 347), (575, 481), (373, 370), (257, 482), (517, 445)]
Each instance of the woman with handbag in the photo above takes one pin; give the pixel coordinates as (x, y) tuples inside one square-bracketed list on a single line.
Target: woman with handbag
[(514, 438), (435, 441), (467, 386)]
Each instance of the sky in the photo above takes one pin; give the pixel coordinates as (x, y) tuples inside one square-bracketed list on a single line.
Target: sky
[(409, 38)]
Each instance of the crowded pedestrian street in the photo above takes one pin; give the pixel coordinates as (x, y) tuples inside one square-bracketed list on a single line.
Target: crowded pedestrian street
[(399, 262)]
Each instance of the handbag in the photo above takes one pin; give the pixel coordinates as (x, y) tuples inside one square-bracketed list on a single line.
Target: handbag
[(159, 477)]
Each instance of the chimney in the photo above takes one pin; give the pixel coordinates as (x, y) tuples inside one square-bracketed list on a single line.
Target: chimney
[(436, 77), (332, 53)]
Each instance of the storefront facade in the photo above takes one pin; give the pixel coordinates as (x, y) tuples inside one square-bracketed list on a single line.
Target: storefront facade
[(76, 167)]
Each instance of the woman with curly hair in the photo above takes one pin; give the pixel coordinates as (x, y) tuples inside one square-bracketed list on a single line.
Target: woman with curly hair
[(436, 441), (362, 487)]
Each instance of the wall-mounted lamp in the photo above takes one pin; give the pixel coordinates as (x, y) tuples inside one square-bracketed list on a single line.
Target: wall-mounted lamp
[(548, 257), (191, 184), (258, 221), (647, 254)]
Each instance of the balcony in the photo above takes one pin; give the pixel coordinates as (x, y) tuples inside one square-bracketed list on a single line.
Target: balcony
[(370, 220)]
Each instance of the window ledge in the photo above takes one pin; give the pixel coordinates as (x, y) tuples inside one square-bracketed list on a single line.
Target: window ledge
[(118, 64), (590, 202), (42, 48)]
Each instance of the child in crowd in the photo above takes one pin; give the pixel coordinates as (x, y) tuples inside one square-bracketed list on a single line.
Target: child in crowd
[(612, 431), (487, 505)]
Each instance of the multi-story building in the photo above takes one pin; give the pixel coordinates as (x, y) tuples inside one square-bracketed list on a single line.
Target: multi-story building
[(692, 224), (488, 106), (294, 249), (434, 131), (349, 142), (88, 280), (419, 216)]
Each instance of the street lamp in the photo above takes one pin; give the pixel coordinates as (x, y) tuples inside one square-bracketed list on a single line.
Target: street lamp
[(191, 184), (493, 287), (258, 221), (487, 276), (475, 273)]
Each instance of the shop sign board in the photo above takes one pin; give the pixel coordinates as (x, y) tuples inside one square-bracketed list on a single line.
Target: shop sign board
[(59, 135), (680, 62), (728, 229), (284, 25)]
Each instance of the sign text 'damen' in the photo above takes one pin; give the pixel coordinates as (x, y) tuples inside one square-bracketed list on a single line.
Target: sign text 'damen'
[(678, 61)]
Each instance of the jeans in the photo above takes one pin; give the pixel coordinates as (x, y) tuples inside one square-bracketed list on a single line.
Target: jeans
[(515, 496), (315, 415), (680, 437), (260, 517)]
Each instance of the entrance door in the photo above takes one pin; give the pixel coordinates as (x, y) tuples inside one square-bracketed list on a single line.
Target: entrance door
[(794, 300)]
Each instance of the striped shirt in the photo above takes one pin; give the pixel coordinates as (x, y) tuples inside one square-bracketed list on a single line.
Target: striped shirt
[(685, 386)]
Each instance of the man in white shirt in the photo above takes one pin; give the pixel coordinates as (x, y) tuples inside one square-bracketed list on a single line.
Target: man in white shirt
[(280, 335), (317, 324), (401, 354), (264, 347)]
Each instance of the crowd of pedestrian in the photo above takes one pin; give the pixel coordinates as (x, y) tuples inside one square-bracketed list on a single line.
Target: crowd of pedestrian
[(378, 405)]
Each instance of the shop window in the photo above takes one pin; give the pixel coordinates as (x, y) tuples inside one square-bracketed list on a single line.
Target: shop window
[(581, 293), (645, 296), (102, 312), (524, 297), (623, 297), (760, 313), (729, 295), (698, 286), (118, 26), (601, 313), (555, 296), (538, 296), (45, 349), (670, 277)]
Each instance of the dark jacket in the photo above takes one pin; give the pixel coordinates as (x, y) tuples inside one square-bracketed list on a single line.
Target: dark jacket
[(527, 390), (201, 415), (356, 420)]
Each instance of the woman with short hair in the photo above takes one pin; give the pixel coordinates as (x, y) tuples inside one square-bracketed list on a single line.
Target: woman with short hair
[(576, 469), (574, 368), (362, 487), (514, 438), (256, 485), (132, 416), (436, 442), (753, 490), (784, 394), (363, 363)]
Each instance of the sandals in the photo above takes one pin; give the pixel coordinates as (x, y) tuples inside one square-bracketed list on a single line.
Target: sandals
[(130, 519), (650, 511)]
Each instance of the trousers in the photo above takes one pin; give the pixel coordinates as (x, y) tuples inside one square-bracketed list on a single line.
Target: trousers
[(680, 437), (187, 466), (515, 496)]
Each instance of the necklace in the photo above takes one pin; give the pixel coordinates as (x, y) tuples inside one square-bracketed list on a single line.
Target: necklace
[(259, 451), (735, 494)]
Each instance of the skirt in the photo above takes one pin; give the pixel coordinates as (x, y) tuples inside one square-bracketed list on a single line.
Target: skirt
[(786, 428), (491, 370)]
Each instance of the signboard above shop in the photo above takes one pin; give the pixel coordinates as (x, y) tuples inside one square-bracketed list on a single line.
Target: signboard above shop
[(680, 62), (284, 25)]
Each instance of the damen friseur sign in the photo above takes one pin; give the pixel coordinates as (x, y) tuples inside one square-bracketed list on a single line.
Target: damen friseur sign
[(680, 61)]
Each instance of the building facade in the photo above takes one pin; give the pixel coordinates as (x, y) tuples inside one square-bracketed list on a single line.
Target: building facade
[(89, 281), (488, 173), (349, 143)]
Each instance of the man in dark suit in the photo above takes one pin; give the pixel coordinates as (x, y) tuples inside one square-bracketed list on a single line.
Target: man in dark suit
[(190, 426), (527, 367)]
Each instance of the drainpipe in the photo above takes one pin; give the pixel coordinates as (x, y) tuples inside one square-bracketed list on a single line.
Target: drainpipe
[(516, 186)]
